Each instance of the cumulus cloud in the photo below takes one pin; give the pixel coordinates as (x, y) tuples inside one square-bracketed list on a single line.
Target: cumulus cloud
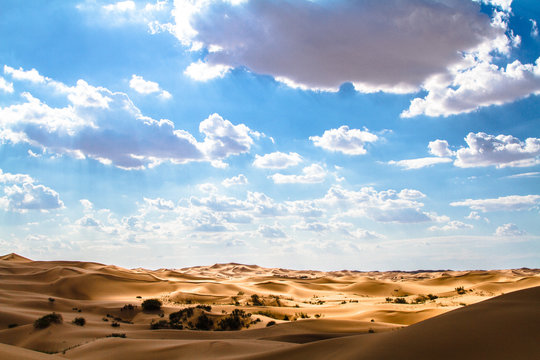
[(376, 45), (440, 148), (277, 160), (481, 85), (202, 71), (500, 151), (345, 140), (146, 87), (22, 193), (272, 232), (503, 203), (240, 179), (120, 6), (24, 75), (482, 150), (382, 206), (413, 164), (5, 86), (534, 28), (509, 230), (106, 126), (452, 225), (310, 175)]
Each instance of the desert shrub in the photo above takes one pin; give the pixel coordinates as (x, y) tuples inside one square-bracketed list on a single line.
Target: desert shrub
[(302, 315), (115, 324), (317, 316), (80, 321), (161, 324), (271, 323), (181, 315), (119, 335), (105, 319), (204, 307), (256, 300), (128, 307), (240, 293), (47, 320), (371, 331), (420, 299), (235, 320), (138, 297), (372, 320), (204, 322), (51, 300), (461, 290), (286, 318), (389, 299), (151, 305), (432, 297), (400, 300), (11, 326)]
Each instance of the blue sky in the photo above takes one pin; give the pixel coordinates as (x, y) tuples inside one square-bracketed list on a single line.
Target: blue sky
[(300, 134)]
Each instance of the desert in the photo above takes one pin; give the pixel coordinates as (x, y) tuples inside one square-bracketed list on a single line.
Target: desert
[(237, 311)]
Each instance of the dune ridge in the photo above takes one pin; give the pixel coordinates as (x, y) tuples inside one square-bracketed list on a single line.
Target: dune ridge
[(341, 314)]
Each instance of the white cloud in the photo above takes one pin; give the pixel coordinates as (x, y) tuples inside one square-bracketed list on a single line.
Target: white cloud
[(277, 160), (108, 127), (120, 6), (440, 148), (202, 71), (413, 164), (500, 151), (479, 85), (525, 175), (383, 206), (345, 140), (20, 74), (240, 179), (503, 203), (5, 86), (509, 230), (272, 232), (452, 225), (21, 193), (473, 215), (306, 36), (160, 204), (146, 87), (534, 28), (310, 175)]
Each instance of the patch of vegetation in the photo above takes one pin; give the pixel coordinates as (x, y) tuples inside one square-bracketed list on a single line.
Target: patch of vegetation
[(432, 297), (115, 324), (204, 323), (271, 323), (105, 319), (181, 315), (204, 307), (240, 293), (302, 315), (371, 331), (235, 321), (129, 307), (461, 290), (118, 335), (161, 324), (11, 326), (256, 300), (400, 300), (151, 305), (51, 300), (138, 297), (80, 321), (47, 320)]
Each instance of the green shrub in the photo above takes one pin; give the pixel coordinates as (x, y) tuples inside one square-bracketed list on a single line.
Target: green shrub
[(80, 321), (400, 300), (271, 323), (461, 290), (235, 321), (47, 320), (151, 305)]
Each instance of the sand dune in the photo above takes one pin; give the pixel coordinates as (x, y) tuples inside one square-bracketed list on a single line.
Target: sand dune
[(321, 315)]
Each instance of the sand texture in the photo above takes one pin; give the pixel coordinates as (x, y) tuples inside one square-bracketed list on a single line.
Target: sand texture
[(318, 315)]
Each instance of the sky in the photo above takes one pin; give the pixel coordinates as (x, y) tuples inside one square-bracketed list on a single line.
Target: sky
[(305, 134)]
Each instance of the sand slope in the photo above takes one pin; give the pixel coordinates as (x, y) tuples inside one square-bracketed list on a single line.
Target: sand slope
[(339, 315)]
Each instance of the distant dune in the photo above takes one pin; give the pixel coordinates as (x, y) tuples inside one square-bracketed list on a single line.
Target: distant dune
[(280, 313)]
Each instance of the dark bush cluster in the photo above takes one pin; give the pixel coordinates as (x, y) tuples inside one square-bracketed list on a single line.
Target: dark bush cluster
[(271, 323), (47, 320), (151, 305), (461, 290), (80, 321), (204, 323), (118, 335), (398, 300), (130, 307), (234, 321), (256, 300), (204, 307)]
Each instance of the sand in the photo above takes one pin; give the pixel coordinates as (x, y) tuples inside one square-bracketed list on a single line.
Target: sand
[(331, 315)]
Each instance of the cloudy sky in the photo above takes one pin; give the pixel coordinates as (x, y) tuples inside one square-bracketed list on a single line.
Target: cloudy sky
[(365, 134)]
